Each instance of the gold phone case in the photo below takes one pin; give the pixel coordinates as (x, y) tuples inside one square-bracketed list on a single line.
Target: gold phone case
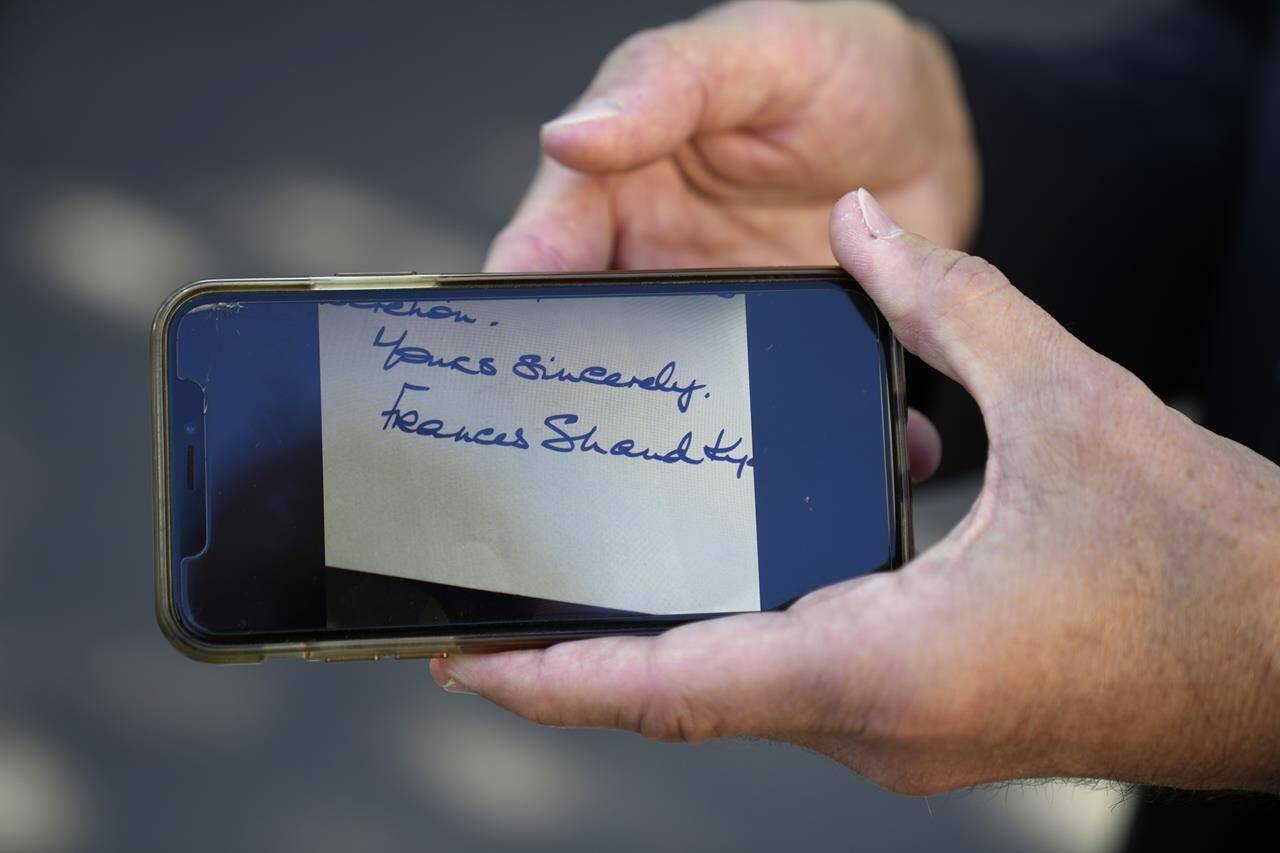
[(435, 645)]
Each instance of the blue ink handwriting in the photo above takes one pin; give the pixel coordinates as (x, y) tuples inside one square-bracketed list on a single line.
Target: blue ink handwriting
[(400, 353), (533, 368), (413, 423), (414, 308), (586, 442)]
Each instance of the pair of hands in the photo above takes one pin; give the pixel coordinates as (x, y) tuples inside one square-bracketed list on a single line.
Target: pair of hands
[(1110, 607)]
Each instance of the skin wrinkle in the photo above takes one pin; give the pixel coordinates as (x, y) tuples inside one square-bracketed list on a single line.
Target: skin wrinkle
[(772, 22), (711, 175), (853, 101), (640, 722), (965, 281), (657, 715), (536, 712), (904, 169), (551, 254), (890, 710), (677, 717), (701, 177), (853, 95), (1011, 415), (742, 233), (648, 237), (669, 50), (759, 234), (843, 706), (658, 47)]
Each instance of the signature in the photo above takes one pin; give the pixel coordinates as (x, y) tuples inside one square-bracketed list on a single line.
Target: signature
[(685, 450), (410, 421)]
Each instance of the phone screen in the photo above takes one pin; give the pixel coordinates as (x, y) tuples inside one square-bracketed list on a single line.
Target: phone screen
[(454, 459)]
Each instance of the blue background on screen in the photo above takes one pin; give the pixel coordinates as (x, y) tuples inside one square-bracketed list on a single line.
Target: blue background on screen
[(818, 433)]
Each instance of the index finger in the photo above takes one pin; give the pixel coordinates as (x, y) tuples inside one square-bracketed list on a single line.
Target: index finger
[(563, 224), (737, 675)]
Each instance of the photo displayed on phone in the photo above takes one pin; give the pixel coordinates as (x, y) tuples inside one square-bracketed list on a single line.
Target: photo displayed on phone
[(374, 461)]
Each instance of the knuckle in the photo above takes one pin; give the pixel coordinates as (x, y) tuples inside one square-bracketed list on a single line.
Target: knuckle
[(645, 46), (661, 49), (536, 706), (673, 719), (667, 711), (963, 279), (764, 12)]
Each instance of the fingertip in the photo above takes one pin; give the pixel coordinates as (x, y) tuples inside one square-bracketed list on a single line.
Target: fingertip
[(607, 134), (845, 206), (858, 221), (477, 674), (442, 673), (848, 232), (504, 260), (630, 127), (462, 666), (536, 248), (883, 258), (439, 669), (583, 138), (496, 262), (564, 224), (842, 213), (586, 114), (924, 446)]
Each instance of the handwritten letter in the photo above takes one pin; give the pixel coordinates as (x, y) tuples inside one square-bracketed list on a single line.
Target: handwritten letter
[(590, 450)]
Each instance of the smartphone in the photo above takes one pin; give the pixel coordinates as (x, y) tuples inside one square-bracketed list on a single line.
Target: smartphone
[(368, 465)]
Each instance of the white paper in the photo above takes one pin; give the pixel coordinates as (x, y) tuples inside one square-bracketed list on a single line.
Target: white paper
[(604, 530)]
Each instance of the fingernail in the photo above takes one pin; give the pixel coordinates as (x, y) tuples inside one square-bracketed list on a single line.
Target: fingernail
[(448, 681), (597, 109), (877, 220), (453, 685)]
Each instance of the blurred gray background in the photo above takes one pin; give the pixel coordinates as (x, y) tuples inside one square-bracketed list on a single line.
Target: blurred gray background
[(145, 145)]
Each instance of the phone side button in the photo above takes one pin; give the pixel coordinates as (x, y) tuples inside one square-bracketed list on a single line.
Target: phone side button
[(373, 274)]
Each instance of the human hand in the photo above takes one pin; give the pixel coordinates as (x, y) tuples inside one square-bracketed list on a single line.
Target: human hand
[(724, 140), (1108, 608)]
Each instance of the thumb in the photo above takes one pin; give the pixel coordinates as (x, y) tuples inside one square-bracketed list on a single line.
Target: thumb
[(956, 311)]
